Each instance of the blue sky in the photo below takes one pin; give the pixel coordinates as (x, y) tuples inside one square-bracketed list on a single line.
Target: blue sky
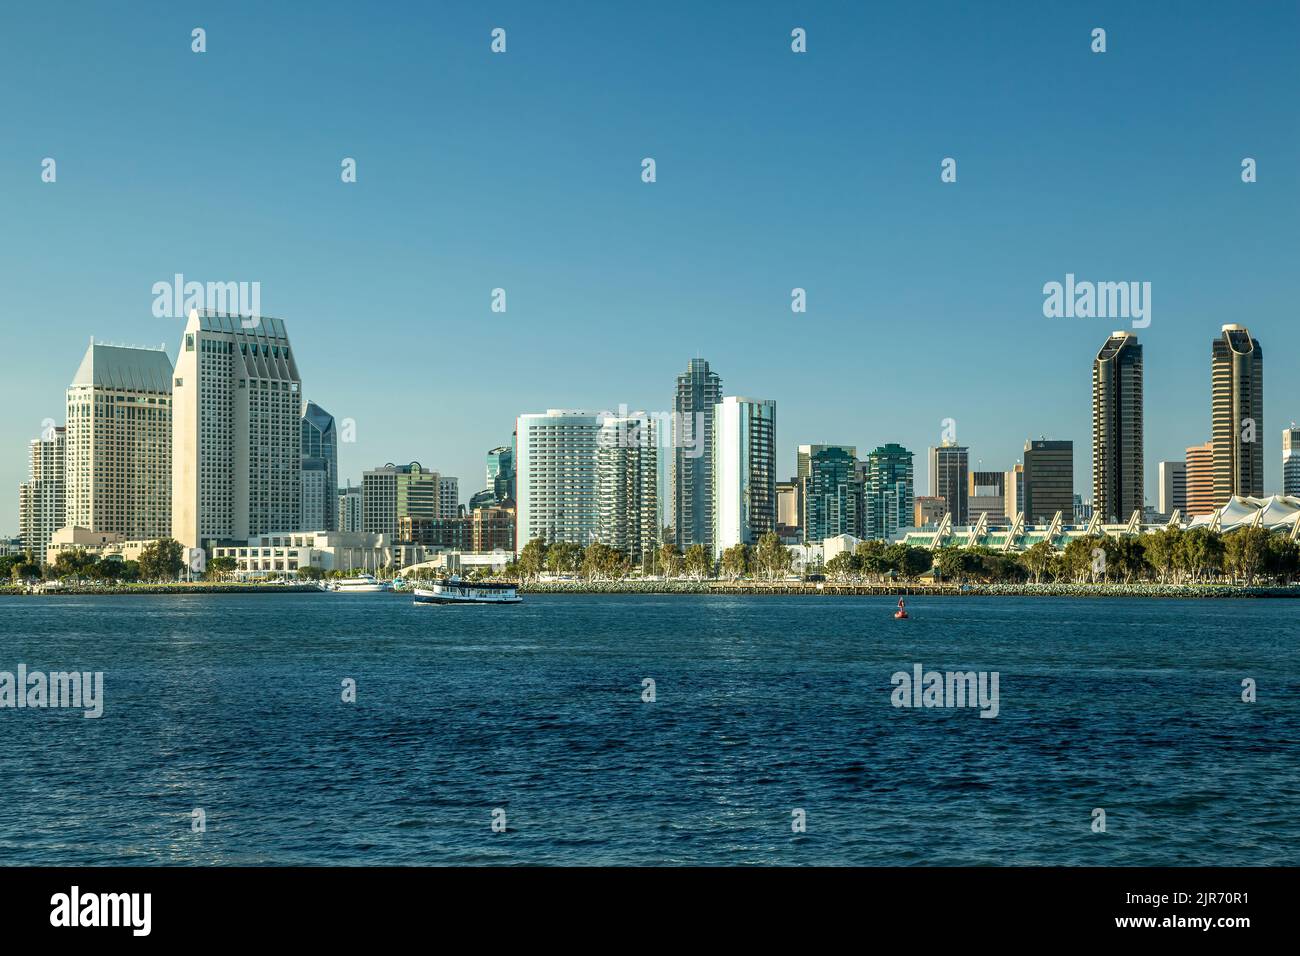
[(775, 170)]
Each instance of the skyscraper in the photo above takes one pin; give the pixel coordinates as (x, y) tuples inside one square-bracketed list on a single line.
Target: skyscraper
[(315, 501), (1014, 489), (988, 496), (1049, 481), (1200, 480), (699, 391), (501, 473), (393, 492), (1237, 375), (236, 431), (890, 491), (627, 468), (832, 495), (744, 471), (1173, 487), (119, 443), (349, 509), (1117, 462), (555, 477), (41, 497), (320, 444), (804, 453), (1291, 460), (949, 478)]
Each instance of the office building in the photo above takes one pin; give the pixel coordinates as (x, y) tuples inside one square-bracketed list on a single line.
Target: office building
[(1200, 480), (988, 496), (950, 479), (320, 444), (928, 511), (804, 454), (393, 492), (1049, 481), (1291, 461), (317, 503), (1173, 488), (492, 528), (349, 509), (1013, 483)]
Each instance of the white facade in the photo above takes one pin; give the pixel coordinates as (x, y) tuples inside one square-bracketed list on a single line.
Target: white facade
[(448, 497), (349, 505), (315, 488), (285, 554), (41, 498), (1291, 461), (236, 431), (119, 442), (627, 471), (1173, 487), (556, 477), (744, 471)]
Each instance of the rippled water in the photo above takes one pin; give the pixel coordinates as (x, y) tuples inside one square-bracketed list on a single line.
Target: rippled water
[(764, 704)]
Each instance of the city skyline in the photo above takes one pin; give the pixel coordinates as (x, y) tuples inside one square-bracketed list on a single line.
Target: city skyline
[(911, 278)]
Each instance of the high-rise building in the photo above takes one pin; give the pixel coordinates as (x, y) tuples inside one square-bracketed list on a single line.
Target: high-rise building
[(804, 454), (949, 479), (320, 444), (988, 496), (1173, 487), (1291, 460), (699, 390), (1049, 481), (832, 496), (555, 477), (627, 494), (1200, 480), (41, 501), (889, 492), (501, 473), (393, 492), (928, 511), (492, 528), (349, 509), (119, 443), (744, 471), (789, 511), (236, 431), (1117, 462), (1237, 373), (315, 497), (1014, 489)]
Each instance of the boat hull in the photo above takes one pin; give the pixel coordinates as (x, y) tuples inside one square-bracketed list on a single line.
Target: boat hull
[(424, 596)]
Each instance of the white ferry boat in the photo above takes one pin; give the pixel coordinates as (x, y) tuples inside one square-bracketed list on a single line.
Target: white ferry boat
[(455, 591), (366, 582)]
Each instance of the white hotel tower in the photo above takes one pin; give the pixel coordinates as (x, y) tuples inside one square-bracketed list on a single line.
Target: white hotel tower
[(236, 431), (744, 471), (556, 477)]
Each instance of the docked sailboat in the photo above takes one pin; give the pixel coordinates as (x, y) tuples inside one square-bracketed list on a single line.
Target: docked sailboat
[(453, 590)]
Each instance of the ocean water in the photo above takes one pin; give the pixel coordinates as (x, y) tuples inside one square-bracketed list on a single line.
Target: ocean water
[(764, 706)]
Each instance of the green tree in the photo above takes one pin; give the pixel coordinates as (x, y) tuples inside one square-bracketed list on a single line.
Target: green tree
[(697, 562), (564, 557), (670, 560), (771, 556), (221, 568), (737, 561), (872, 560), (843, 566), (1246, 553), (1036, 559), (1201, 553), (161, 560), (532, 559), (950, 564)]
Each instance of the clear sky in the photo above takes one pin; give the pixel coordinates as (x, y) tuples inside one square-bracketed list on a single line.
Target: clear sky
[(775, 170)]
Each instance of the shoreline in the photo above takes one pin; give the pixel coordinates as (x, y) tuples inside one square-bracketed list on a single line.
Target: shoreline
[(743, 588)]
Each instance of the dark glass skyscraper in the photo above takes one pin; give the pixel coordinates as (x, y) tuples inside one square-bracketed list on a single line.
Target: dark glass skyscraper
[(832, 495), (1117, 460), (698, 390), (1049, 481), (320, 443)]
